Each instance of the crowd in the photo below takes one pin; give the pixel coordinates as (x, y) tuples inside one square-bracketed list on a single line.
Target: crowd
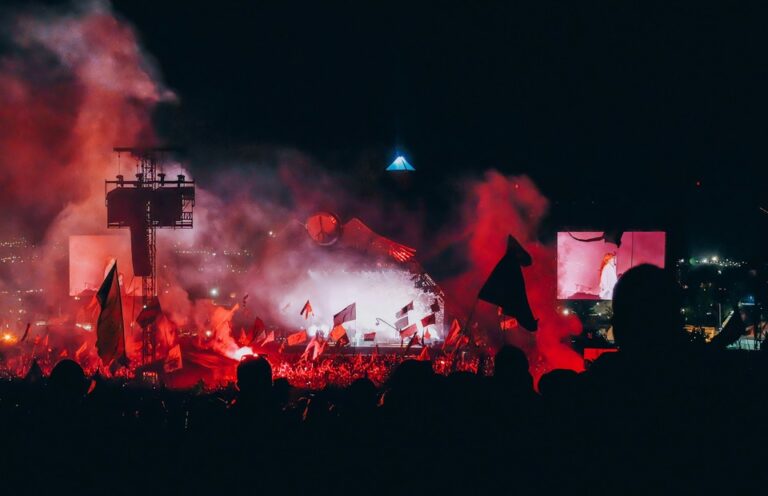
[(662, 415)]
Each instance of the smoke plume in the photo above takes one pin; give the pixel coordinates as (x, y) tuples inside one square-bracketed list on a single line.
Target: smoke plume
[(75, 83)]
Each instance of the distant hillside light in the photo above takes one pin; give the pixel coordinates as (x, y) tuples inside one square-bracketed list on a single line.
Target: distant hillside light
[(400, 164)]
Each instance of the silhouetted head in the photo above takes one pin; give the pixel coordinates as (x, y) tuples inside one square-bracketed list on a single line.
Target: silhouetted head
[(254, 376), (646, 310), (410, 382), (411, 374), (281, 390), (68, 380), (362, 394), (510, 367), (510, 361), (558, 383)]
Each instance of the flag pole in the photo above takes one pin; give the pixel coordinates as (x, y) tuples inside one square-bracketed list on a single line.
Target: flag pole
[(469, 317)]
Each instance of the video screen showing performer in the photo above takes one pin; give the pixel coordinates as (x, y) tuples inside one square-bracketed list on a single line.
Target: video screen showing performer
[(590, 263)]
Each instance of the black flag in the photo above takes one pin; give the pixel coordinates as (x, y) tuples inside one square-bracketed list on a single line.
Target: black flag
[(505, 286)]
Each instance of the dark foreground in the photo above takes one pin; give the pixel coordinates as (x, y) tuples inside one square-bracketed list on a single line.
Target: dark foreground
[(692, 421)]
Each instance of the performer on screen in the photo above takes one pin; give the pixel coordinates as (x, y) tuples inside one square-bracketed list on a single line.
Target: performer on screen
[(608, 276)]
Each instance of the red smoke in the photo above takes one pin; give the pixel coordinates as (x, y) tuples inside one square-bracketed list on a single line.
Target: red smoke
[(496, 206), (77, 84)]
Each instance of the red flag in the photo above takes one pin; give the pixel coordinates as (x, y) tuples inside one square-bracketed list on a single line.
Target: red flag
[(337, 332), (173, 359), (508, 323), (462, 341), (257, 339), (319, 348), (404, 311), (311, 346), (369, 336), (349, 313), (269, 338), (424, 355), (296, 338), (258, 325), (81, 350), (413, 341), (453, 332), (343, 340), (408, 331), (435, 307), (306, 310), (110, 337), (428, 320)]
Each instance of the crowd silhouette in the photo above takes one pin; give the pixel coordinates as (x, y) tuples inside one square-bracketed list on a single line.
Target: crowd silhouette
[(662, 415)]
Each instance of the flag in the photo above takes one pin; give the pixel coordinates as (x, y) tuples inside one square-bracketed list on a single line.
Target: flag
[(337, 332), (505, 286), (424, 355), (402, 323), (110, 337), (508, 323), (404, 311), (295, 338), (349, 313), (149, 314), (369, 336), (453, 332), (258, 325), (306, 310), (435, 307), (81, 350), (319, 348), (310, 345), (428, 320), (26, 333), (173, 359), (343, 341), (257, 333), (411, 342), (408, 332), (427, 335), (269, 338), (118, 363), (257, 339)]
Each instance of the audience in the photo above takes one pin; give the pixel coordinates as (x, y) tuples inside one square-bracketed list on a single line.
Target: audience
[(660, 415)]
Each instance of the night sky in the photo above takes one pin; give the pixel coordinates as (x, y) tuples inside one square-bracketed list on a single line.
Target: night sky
[(616, 111)]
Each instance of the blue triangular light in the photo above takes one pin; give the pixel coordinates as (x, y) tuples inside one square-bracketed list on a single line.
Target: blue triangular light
[(400, 164)]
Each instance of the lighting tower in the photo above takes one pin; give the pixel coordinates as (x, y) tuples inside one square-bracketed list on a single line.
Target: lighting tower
[(143, 205)]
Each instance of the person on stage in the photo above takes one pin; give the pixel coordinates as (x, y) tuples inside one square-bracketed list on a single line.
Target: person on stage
[(608, 276)]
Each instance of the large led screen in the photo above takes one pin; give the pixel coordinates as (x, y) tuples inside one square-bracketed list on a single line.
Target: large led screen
[(590, 263)]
